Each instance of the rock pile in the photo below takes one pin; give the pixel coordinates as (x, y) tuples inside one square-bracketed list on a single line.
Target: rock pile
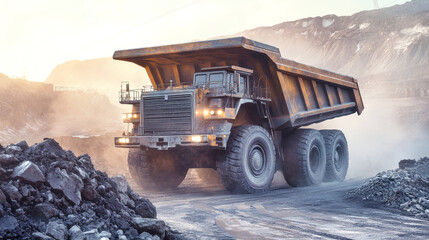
[(406, 188), (48, 193)]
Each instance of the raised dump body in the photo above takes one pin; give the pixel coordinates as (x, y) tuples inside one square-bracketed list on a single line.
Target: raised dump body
[(234, 105), (300, 94)]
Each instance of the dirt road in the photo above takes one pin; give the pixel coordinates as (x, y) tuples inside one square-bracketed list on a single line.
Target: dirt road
[(210, 212)]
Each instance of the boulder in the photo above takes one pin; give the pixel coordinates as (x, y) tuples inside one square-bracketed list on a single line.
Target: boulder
[(11, 192), (57, 179), (114, 204), (76, 233), (57, 230), (70, 185), (12, 149), (23, 145), (28, 172), (73, 189), (66, 165), (25, 190), (45, 211), (7, 160), (407, 163), (152, 226), (81, 173), (89, 193), (8, 223), (145, 208), (121, 183)]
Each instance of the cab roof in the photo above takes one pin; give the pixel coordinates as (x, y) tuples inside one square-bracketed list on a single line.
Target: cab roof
[(231, 68)]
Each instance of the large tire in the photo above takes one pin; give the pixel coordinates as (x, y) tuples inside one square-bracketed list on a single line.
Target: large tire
[(207, 175), (304, 158), (337, 155), (156, 170), (249, 162)]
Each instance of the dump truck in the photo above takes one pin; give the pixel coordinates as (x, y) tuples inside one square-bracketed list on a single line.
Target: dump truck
[(237, 107)]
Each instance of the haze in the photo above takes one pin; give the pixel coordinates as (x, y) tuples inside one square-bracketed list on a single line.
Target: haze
[(38, 35)]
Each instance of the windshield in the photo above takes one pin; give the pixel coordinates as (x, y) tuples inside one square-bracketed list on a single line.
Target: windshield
[(216, 80)]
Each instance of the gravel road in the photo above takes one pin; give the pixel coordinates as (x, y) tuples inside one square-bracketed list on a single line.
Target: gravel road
[(321, 212)]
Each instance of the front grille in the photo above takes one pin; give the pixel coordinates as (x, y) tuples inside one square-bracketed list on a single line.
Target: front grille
[(167, 115)]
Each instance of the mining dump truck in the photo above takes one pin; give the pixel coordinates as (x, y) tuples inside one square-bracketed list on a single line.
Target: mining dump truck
[(235, 106)]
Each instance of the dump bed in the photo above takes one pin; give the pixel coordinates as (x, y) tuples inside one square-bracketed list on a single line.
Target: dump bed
[(301, 94)]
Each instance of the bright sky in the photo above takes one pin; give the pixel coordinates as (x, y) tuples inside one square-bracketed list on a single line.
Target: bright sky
[(35, 36)]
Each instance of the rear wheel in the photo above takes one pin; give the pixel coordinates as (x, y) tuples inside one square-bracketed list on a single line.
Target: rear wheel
[(337, 155), (305, 158), (248, 165), (156, 170)]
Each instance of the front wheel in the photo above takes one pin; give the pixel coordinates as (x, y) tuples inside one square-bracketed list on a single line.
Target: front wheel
[(248, 164), (156, 170)]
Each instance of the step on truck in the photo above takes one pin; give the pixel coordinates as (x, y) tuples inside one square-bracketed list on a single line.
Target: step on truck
[(237, 107)]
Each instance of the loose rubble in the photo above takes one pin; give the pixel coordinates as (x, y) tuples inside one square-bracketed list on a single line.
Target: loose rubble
[(49, 193), (406, 188)]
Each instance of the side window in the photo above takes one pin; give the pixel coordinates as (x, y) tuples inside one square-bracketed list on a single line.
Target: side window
[(242, 83), (200, 80), (230, 84)]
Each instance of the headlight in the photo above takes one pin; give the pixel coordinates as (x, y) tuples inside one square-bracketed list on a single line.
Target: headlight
[(219, 113), (130, 116), (196, 138), (124, 140)]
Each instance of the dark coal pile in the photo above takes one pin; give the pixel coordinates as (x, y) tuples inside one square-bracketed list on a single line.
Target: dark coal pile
[(49, 193), (406, 188)]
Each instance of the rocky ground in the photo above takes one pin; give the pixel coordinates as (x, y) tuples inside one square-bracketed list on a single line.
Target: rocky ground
[(49, 193), (406, 188)]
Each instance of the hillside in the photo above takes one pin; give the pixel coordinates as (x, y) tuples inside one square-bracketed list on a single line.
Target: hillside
[(383, 48), (32, 111), (103, 75)]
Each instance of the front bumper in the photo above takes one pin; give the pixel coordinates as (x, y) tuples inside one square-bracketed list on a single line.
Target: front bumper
[(166, 142)]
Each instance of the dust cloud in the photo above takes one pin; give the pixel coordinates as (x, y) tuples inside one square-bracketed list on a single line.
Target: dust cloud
[(33, 111), (104, 155), (389, 130)]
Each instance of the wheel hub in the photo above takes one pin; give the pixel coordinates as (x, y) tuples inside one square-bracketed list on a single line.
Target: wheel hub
[(257, 160), (338, 158), (314, 159)]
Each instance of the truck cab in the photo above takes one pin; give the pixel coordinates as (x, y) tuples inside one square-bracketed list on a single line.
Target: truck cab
[(197, 115), (223, 81)]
